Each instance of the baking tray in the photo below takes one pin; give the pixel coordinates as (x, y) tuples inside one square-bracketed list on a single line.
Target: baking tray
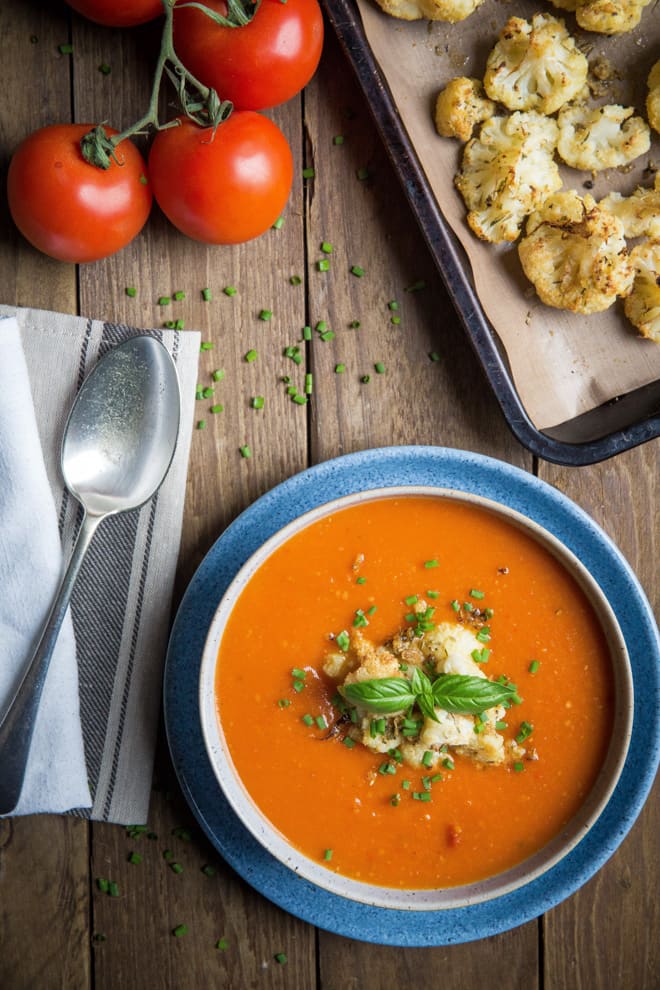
[(619, 424)]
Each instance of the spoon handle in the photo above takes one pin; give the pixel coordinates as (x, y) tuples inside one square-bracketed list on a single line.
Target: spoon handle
[(19, 719)]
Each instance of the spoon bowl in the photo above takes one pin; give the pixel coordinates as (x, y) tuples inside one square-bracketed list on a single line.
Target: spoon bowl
[(118, 444)]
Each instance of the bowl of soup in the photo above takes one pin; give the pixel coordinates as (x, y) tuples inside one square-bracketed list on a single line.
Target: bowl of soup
[(416, 698)]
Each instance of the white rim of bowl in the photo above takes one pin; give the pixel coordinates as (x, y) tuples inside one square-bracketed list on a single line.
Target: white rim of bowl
[(430, 899)]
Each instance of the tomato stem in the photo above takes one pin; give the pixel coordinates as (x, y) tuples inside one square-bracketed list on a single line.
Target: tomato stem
[(204, 108)]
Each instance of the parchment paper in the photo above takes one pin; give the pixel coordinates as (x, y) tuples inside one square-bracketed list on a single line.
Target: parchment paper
[(562, 364)]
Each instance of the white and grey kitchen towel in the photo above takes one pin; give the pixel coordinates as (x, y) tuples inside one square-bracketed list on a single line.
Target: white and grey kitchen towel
[(121, 603)]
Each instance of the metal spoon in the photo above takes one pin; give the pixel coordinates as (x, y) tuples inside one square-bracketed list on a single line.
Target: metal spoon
[(118, 445)]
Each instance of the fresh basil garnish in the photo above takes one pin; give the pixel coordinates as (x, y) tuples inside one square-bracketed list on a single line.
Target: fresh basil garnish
[(383, 694), (468, 695), (458, 693)]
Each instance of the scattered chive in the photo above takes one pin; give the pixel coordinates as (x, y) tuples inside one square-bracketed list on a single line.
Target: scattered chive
[(518, 767), (309, 383), (306, 333), (500, 726), (176, 868), (102, 884), (258, 402), (421, 795), (179, 296), (221, 944), (328, 335), (308, 720), (395, 800), (308, 173), (323, 265), (218, 374), (321, 722), (283, 703), (65, 49), (433, 594), (135, 858), (281, 958), (357, 271), (113, 889), (525, 731), (362, 174), (411, 600), (393, 304), (427, 758), (251, 356), (207, 295), (396, 320), (448, 763), (338, 139), (201, 424), (416, 286), (245, 450), (131, 291), (180, 930), (343, 640), (105, 69), (295, 280), (379, 368), (298, 673), (265, 314), (348, 742), (164, 301), (207, 392), (361, 580), (434, 356), (327, 855), (431, 563), (372, 609), (340, 369), (206, 345), (321, 326), (299, 399), (168, 855), (534, 666), (326, 247), (217, 408), (229, 290), (475, 593), (365, 379), (279, 223)]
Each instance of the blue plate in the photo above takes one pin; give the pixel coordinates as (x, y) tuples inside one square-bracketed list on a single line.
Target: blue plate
[(389, 467)]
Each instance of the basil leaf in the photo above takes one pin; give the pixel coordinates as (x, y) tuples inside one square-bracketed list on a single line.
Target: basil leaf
[(469, 695), (421, 685), (383, 694)]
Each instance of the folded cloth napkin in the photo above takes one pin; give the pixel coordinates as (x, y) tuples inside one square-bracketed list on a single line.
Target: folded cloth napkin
[(94, 741)]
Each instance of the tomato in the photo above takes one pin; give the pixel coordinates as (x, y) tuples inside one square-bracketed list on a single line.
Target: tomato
[(69, 209), (222, 188), (257, 66), (118, 13)]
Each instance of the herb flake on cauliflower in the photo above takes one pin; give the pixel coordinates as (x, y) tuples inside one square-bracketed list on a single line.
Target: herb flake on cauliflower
[(432, 10), (460, 106), (574, 253), (601, 137), (639, 213), (535, 66), (507, 172), (642, 307), (653, 97)]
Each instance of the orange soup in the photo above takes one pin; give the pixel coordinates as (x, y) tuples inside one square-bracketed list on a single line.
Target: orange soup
[(332, 800)]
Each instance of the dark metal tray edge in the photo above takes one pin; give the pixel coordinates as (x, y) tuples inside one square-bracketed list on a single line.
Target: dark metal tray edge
[(575, 443)]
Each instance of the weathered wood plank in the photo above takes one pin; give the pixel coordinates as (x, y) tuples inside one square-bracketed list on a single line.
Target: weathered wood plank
[(606, 934)]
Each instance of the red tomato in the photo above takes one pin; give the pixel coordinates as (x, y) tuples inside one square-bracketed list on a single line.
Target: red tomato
[(222, 188), (69, 209), (118, 13), (257, 66)]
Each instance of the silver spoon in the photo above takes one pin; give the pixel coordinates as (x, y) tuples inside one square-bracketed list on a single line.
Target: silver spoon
[(118, 445)]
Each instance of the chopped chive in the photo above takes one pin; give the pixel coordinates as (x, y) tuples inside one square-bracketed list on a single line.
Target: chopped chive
[(281, 958), (321, 326), (357, 271), (380, 726), (362, 174), (534, 666), (328, 335), (218, 374), (221, 944), (421, 795), (393, 304), (455, 605), (326, 247), (251, 356), (229, 290), (338, 139), (279, 223), (180, 930), (395, 800), (321, 722), (258, 402), (308, 720), (427, 758), (283, 703), (217, 408), (105, 69), (361, 580), (299, 399), (295, 280), (431, 563), (416, 286), (113, 889), (433, 594), (396, 320), (348, 742), (448, 763), (309, 383), (308, 173), (434, 356), (245, 450), (360, 620), (298, 686), (437, 778), (207, 392), (323, 265), (365, 379), (327, 855), (207, 295), (525, 731), (411, 600), (168, 855), (306, 333), (135, 858), (176, 868), (201, 424), (179, 296), (355, 324), (65, 49), (518, 767), (206, 345), (483, 635), (379, 368), (500, 726), (102, 884), (343, 640), (340, 369), (265, 314), (131, 291), (164, 301), (405, 784), (298, 673), (475, 593)]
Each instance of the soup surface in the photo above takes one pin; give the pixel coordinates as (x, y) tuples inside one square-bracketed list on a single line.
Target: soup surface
[(358, 567)]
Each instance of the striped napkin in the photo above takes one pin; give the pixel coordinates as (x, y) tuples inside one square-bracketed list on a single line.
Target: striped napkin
[(121, 602)]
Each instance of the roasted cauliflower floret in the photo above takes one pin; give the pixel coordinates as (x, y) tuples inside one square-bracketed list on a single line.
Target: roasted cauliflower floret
[(642, 306), (653, 97), (575, 254), (609, 16), (639, 213), (506, 172), (535, 66), (432, 10), (594, 138), (460, 106)]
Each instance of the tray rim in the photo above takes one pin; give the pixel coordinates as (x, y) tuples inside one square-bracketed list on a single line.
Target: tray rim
[(346, 22)]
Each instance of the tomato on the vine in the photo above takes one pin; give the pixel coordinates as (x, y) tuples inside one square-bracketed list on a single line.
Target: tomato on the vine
[(260, 65), (224, 186), (118, 13), (69, 209)]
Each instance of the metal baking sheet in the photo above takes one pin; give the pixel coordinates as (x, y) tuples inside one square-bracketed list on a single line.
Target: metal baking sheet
[(619, 424)]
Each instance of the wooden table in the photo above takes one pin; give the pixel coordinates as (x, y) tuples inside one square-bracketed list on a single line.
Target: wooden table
[(52, 916)]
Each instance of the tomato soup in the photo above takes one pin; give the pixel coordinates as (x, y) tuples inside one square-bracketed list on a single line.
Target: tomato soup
[(328, 799)]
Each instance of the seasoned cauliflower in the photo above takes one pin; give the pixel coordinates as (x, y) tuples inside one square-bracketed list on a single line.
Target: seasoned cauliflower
[(642, 307), (653, 97), (432, 10), (609, 16), (601, 137), (506, 172), (535, 66), (575, 254), (460, 106), (639, 213)]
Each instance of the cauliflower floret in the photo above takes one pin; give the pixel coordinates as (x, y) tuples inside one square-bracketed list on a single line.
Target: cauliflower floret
[(642, 307), (609, 16), (639, 213), (601, 137), (460, 106), (575, 254), (653, 97), (535, 66), (432, 10), (451, 646), (506, 172)]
